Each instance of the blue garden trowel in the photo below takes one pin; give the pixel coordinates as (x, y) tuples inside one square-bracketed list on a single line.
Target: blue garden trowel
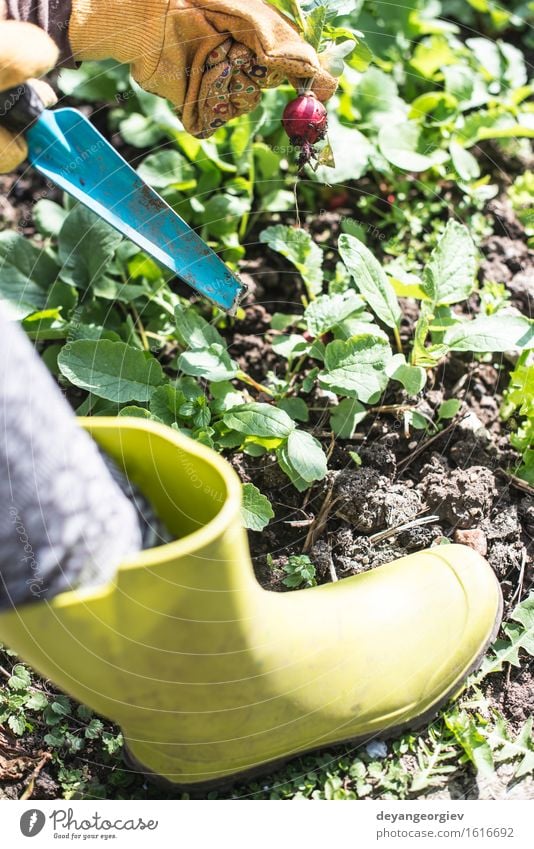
[(65, 147)]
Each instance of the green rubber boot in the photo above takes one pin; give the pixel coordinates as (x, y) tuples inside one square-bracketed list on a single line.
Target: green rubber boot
[(211, 677)]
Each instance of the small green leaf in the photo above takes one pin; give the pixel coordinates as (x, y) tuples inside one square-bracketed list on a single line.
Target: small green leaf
[(48, 217), (225, 396), (136, 412), (17, 724), (94, 728), (327, 311), (111, 370), (37, 701), (287, 467), (299, 571), (413, 378), (449, 408), (259, 419), (498, 333), (165, 403), (356, 367), (25, 272), (222, 213), (371, 280), (213, 363), (193, 331), (507, 749), (140, 131), (314, 23), (167, 168), (306, 455), (346, 417), (295, 407), (449, 275), (55, 740), (61, 706), (256, 510), (300, 249), (290, 346), (20, 678), (400, 144), (519, 634), (465, 163), (473, 743), (86, 246)]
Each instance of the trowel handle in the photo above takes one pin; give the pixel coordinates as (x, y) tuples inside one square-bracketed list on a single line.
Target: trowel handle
[(20, 106)]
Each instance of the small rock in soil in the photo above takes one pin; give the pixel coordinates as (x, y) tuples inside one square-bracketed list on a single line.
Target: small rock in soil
[(377, 749), (463, 497), (474, 538)]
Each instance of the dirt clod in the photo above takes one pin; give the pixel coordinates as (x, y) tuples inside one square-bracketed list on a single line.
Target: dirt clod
[(463, 497), (503, 524), (369, 501)]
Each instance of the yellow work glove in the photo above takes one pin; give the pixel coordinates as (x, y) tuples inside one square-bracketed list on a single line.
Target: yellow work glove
[(209, 57), (25, 52)]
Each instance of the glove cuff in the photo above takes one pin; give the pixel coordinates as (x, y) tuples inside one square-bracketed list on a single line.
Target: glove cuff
[(129, 31)]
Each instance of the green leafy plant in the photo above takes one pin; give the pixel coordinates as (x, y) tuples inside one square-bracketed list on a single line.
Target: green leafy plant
[(518, 636), (521, 193), (518, 410), (83, 301), (300, 572), (256, 510)]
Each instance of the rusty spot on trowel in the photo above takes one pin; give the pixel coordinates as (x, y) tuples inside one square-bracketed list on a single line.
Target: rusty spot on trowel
[(150, 199)]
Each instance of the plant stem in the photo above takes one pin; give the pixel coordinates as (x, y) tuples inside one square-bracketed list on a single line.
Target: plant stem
[(159, 336), (398, 341), (391, 408), (246, 378), (140, 328)]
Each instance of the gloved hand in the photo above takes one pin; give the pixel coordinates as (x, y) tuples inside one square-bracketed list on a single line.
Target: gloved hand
[(25, 52), (209, 57)]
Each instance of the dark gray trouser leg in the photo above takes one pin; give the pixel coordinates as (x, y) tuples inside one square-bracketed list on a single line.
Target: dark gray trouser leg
[(63, 519)]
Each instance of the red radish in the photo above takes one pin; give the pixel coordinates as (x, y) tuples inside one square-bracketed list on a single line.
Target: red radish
[(305, 121)]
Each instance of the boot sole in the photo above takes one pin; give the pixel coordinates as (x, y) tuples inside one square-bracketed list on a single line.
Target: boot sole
[(200, 788)]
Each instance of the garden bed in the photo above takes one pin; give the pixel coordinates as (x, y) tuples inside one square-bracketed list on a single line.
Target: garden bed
[(432, 453)]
